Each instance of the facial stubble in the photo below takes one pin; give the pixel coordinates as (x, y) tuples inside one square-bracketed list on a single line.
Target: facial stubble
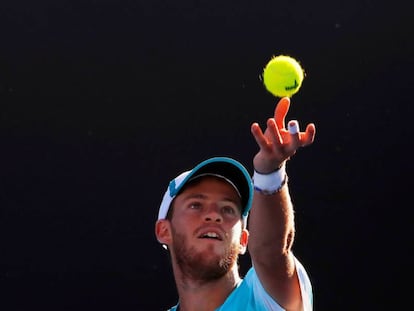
[(205, 265)]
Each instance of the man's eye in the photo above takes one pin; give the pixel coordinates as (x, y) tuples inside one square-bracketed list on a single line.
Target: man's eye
[(229, 210), (195, 205)]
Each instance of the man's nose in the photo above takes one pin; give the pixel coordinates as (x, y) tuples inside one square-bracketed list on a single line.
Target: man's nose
[(213, 213)]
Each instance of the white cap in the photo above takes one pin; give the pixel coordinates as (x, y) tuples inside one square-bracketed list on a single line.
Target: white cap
[(227, 168)]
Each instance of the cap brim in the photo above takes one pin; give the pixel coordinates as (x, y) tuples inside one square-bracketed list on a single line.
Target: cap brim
[(223, 166), (231, 170)]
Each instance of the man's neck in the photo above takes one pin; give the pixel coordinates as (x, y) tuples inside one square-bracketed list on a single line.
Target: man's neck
[(206, 296)]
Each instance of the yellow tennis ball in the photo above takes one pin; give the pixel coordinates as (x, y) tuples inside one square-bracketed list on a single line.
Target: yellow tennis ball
[(283, 76)]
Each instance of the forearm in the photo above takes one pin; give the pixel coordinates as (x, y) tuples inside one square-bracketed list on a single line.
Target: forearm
[(271, 225)]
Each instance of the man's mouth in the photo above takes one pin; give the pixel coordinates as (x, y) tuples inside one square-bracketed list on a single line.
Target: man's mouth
[(210, 235)]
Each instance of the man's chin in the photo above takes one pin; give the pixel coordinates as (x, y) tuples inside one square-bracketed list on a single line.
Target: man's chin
[(210, 246), (206, 261)]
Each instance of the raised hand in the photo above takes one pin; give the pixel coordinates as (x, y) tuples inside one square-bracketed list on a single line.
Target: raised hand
[(278, 143)]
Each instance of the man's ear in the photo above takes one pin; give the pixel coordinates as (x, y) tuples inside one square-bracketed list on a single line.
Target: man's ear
[(244, 239), (163, 231)]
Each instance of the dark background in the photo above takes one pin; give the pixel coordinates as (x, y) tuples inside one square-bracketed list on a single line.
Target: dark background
[(103, 102)]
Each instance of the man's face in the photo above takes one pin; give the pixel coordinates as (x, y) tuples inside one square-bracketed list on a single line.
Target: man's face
[(206, 228)]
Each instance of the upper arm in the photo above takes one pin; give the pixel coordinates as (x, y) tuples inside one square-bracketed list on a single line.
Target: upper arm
[(281, 281), (292, 291)]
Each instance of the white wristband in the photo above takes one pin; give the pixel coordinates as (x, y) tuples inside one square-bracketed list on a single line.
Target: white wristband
[(269, 184)]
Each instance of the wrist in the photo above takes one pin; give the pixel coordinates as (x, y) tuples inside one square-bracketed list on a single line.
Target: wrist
[(269, 184)]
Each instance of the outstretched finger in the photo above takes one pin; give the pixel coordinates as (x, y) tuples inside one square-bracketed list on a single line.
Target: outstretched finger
[(258, 135), (308, 136), (273, 132), (281, 111)]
